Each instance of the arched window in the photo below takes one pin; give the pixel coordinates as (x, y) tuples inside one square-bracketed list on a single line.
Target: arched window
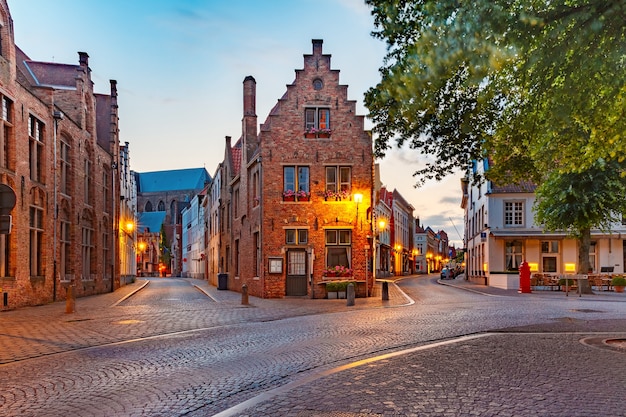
[(161, 206), (148, 206)]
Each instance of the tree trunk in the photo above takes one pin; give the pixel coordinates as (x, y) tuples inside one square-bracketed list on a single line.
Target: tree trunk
[(584, 267)]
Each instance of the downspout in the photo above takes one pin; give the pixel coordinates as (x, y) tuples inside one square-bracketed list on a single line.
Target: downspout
[(58, 116)]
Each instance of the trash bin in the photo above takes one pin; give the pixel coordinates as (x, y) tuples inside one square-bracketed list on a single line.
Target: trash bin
[(222, 281)]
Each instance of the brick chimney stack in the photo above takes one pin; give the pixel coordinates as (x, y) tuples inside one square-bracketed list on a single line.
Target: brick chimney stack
[(249, 96), (317, 46), (249, 116)]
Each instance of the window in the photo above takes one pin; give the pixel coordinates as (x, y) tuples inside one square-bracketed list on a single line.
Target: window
[(549, 255), (6, 133), (296, 182), (65, 240), (513, 213), (513, 255), (148, 207), (5, 250), (255, 183), (338, 245), (36, 241), (318, 84), (296, 236), (316, 118), (64, 156), (35, 154), (338, 182), (161, 206), (592, 256), (257, 254), (88, 181), (106, 190), (87, 252)]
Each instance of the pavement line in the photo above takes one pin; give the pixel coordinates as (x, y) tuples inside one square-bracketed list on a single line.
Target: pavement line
[(241, 407)]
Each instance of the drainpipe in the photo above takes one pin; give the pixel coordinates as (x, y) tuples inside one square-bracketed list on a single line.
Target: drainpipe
[(58, 116)]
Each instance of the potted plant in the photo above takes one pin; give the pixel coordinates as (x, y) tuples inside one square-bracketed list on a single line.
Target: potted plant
[(338, 271), (342, 287), (289, 195), (332, 289), (618, 282), (303, 195)]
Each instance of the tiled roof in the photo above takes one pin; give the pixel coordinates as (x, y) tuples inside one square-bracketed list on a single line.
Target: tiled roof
[(521, 187), (173, 180), (151, 220), (236, 155), (47, 73)]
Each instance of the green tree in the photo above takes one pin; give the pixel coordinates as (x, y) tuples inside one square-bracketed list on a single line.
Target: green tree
[(538, 87), (580, 201), (164, 248), (520, 80)]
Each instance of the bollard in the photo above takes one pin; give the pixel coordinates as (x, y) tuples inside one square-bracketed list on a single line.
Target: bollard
[(385, 291), (70, 301), (350, 296), (244, 295)]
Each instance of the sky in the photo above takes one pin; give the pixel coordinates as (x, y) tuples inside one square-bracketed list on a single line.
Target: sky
[(180, 66)]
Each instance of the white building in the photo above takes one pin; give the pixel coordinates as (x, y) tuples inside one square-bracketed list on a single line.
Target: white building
[(193, 247), (500, 233)]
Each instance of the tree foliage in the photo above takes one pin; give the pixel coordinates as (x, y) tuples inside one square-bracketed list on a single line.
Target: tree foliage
[(538, 86)]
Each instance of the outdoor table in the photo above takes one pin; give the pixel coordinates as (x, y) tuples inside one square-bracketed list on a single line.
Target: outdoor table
[(578, 278)]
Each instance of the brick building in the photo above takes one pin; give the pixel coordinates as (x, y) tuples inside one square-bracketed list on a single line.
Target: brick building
[(59, 141), (296, 195)]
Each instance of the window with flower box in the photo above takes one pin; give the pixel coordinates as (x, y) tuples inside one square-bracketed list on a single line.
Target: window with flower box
[(338, 183), (296, 183), (317, 122), (338, 248)]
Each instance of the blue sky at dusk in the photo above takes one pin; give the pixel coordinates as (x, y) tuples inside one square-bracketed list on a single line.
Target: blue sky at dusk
[(180, 66)]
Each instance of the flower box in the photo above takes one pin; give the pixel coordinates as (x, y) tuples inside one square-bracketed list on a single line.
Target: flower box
[(309, 135), (289, 198)]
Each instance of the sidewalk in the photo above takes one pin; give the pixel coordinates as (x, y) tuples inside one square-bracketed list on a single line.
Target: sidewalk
[(461, 283)]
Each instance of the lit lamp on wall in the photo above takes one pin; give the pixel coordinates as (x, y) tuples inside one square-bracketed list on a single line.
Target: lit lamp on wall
[(570, 267)]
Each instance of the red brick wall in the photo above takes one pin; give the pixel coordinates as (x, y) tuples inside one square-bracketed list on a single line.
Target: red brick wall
[(282, 143)]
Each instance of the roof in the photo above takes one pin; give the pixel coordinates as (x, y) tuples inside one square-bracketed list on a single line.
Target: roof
[(521, 187), (172, 180), (48, 74), (151, 220)]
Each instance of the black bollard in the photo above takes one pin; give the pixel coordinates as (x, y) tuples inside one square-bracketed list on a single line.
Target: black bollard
[(350, 295), (385, 291)]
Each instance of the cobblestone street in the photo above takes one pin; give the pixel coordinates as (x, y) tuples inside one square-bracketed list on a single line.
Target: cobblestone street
[(179, 347)]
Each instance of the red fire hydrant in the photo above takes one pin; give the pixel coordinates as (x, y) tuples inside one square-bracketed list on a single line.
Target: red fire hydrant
[(524, 278)]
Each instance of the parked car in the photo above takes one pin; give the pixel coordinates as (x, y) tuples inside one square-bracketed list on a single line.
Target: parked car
[(444, 273)]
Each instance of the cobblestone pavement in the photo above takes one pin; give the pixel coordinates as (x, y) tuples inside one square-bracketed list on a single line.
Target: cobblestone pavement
[(430, 350)]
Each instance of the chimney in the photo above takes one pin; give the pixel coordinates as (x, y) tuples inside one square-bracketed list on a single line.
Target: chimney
[(83, 59), (249, 96), (317, 46)]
